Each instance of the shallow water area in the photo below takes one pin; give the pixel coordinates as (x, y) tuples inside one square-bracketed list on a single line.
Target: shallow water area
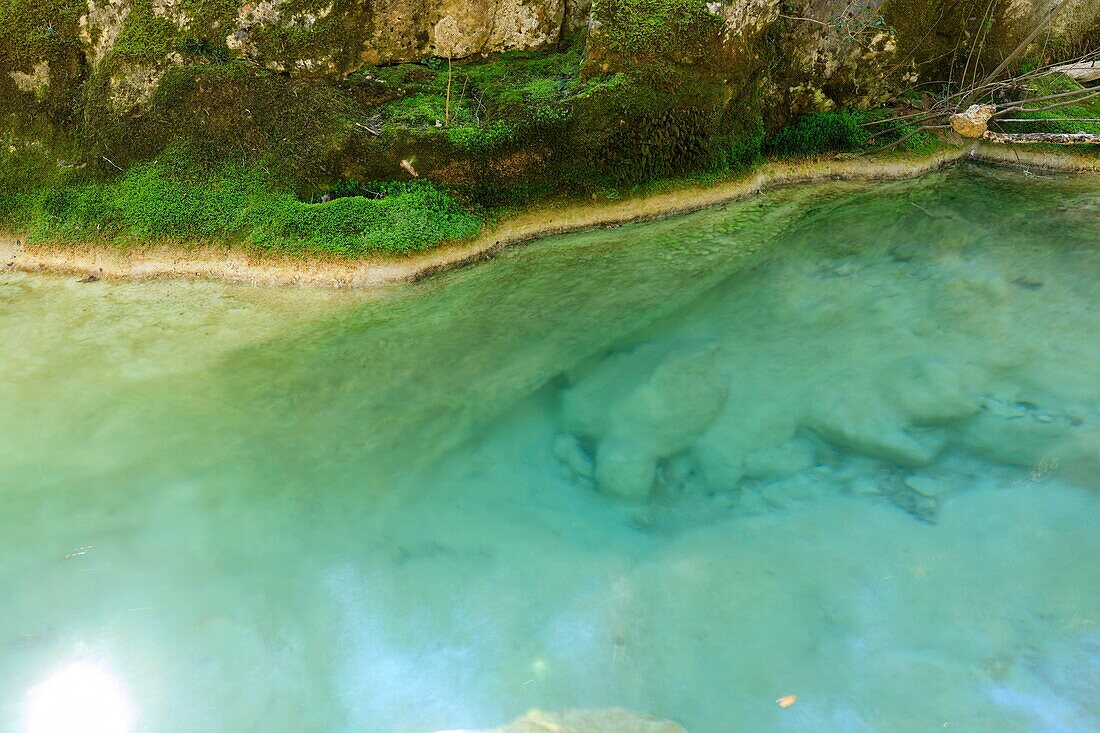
[(840, 442)]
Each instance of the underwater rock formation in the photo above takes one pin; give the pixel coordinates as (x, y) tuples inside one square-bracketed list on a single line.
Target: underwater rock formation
[(611, 720), (894, 362), (659, 411)]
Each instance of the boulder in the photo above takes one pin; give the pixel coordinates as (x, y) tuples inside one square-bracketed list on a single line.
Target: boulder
[(974, 122)]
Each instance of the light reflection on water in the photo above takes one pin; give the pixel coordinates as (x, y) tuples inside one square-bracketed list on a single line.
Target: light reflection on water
[(859, 427), (80, 696)]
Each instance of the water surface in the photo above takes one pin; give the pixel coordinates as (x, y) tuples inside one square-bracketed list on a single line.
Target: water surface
[(839, 441)]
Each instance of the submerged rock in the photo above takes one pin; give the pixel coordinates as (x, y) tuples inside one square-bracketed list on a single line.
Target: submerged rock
[(638, 413), (864, 424), (611, 720), (625, 468), (573, 456)]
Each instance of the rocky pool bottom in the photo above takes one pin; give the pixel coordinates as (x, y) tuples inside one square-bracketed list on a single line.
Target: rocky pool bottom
[(840, 442)]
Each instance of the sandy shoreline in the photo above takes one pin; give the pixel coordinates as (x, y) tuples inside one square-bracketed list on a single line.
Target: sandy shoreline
[(228, 264)]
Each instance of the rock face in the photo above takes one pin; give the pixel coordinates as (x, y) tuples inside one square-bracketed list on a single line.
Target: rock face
[(822, 54), (390, 31), (585, 721), (629, 91)]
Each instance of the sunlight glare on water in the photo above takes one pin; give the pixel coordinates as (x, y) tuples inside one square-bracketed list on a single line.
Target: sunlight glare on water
[(81, 696), (836, 445)]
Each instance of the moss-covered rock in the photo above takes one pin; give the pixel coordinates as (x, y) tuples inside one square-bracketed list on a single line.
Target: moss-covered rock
[(496, 101)]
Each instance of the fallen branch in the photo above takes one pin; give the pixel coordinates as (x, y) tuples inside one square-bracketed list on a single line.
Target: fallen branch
[(1080, 72), (1055, 138)]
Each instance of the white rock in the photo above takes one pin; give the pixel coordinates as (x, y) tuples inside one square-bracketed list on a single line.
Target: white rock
[(675, 405)]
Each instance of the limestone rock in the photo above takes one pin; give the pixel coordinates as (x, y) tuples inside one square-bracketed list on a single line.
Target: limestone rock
[(100, 26), (390, 31), (573, 456), (781, 461), (974, 121), (933, 391), (676, 404), (36, 82), (638, 413), (612, 720), (472, 27)]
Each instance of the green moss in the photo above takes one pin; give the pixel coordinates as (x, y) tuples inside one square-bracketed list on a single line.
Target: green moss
[(175, 200), (231, 112), (481, 138), (512, 92), (815, 134), (406, 216), (209, 18), (33, 30), (145, 36), (663, 28), (1061, 119), (427, 110)]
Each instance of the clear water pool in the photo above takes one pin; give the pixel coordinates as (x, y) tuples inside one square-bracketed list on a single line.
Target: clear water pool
[(839, 441)]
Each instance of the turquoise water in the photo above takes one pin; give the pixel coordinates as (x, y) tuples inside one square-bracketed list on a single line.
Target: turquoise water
[(840, 442)]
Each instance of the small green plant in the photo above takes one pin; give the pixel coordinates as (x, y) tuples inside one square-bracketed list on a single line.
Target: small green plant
[(213, 53)]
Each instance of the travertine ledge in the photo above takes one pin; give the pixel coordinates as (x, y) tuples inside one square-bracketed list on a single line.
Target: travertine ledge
[(233, 264)]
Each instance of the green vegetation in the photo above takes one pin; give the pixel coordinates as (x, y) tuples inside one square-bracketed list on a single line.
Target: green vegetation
[(657, 27), (406, 216), (493, 104), (831, 132), (168, 133), (1062, 119), (180, 202), (144, 35), (814, 134)]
